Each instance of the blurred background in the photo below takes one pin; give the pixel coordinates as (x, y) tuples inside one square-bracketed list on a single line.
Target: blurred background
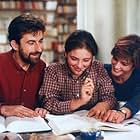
[(107, 20)]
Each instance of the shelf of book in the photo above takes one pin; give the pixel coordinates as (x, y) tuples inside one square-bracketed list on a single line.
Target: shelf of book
[(59, 24)]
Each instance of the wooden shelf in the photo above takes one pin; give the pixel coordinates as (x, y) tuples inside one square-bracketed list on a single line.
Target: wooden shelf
[(27, 10), (60, 20)]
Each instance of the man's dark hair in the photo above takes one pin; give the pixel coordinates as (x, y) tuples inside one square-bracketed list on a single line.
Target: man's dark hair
[(25, 23)]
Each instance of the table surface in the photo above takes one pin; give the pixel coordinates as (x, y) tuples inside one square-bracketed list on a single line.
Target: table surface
[(133, 134), (35, 136)]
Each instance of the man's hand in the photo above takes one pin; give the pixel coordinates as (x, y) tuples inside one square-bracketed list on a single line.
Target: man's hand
[(17, 110)]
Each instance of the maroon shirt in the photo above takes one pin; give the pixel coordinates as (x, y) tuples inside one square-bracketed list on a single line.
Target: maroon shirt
[(19, 87)]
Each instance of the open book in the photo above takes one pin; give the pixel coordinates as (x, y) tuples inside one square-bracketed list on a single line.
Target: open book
[(78, 121), (134, 120), (22, 125)]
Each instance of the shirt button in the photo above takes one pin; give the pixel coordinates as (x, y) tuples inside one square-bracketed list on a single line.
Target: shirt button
[(24, 90), (77, 95), (18, 72), (84, 77)]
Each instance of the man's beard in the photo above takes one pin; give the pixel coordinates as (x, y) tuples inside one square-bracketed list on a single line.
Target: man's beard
[(27, 58)]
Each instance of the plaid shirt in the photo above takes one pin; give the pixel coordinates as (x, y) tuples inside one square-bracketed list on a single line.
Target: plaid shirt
[(59, 88)]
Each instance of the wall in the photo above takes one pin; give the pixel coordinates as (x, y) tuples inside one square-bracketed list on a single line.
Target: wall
[(108, 20)]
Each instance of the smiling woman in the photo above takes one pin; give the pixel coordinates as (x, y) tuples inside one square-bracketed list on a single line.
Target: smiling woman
[(125, 73), (79, 60), (81, 82)]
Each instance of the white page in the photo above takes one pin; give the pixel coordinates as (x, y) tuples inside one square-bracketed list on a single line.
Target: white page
[(98, 124), (17, 124), (134, 120), (78, 121), (63, 124), (2, 124)]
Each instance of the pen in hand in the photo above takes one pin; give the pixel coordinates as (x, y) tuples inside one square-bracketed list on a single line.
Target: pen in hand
[(87, 90), (89, 84)]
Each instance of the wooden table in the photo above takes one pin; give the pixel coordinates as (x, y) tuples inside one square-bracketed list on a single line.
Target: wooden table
[(35, 136)]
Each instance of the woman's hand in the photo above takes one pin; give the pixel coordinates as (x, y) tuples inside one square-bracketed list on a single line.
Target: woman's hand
[(85, 96), (114, 116), (99, 110), (87, 90), (41, 112)]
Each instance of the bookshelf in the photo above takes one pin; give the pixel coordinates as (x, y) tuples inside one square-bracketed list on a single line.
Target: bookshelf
[(59, 15), (65, 23)]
